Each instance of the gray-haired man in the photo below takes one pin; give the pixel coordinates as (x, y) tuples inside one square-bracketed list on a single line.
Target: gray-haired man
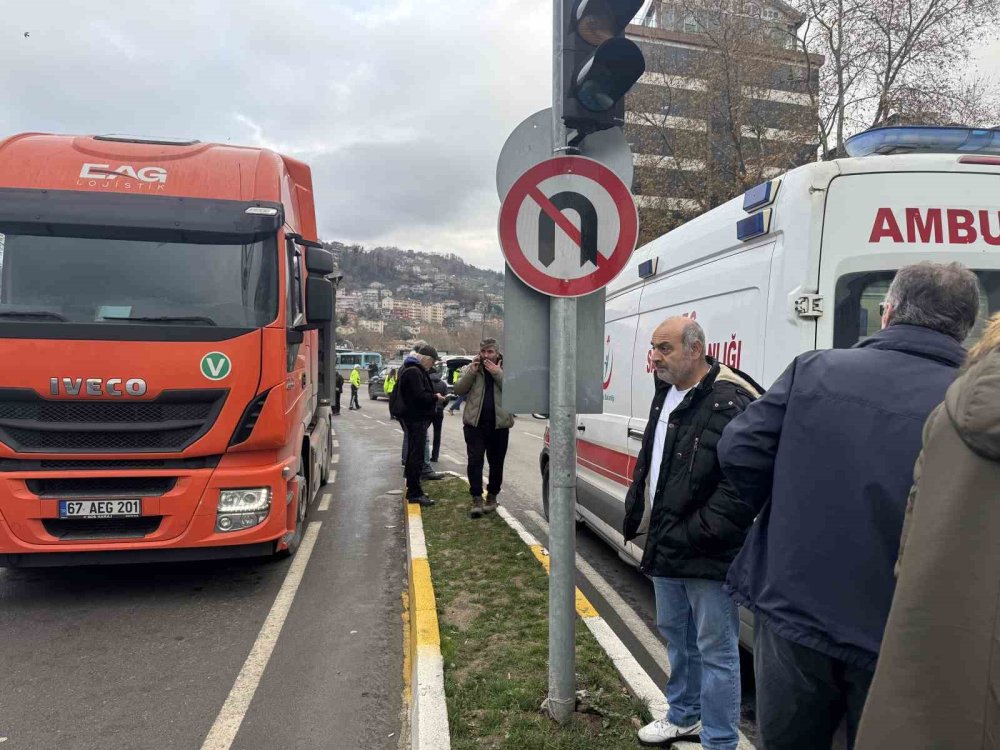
[(826, 457)]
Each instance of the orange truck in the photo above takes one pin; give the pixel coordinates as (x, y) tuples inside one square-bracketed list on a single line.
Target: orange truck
[(166, 351)]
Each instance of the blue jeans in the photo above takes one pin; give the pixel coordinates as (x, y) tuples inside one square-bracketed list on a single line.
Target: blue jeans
[(456, 403), (701, 626)]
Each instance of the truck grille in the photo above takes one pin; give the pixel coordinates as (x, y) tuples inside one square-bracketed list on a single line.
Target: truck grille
[(101, 487), (72, 529), (167, 424)]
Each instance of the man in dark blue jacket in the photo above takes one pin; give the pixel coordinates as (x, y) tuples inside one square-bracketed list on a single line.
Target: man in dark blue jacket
[(832, 446)]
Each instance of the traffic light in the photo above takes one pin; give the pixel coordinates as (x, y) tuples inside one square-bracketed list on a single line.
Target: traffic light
[(599, 65)]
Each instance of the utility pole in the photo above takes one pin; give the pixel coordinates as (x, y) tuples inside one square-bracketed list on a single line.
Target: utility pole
[(561, 701)]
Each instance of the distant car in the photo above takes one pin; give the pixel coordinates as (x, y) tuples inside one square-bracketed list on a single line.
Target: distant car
[(448, 368), (376, 386)]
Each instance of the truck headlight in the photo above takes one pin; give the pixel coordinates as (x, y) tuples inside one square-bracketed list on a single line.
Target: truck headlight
[(242, 508)]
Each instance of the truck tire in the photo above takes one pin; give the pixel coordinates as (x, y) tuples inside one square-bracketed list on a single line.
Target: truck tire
[(302, 510), (324, 474)]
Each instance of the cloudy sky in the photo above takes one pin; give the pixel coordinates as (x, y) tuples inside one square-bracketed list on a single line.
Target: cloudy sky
[(401, 106)]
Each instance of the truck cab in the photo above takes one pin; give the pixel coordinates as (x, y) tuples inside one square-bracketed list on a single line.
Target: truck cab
[(166, 333)]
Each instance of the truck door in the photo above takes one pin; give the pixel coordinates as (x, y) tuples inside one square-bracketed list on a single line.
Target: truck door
[(603, 467), (878, 222), (296, 380)]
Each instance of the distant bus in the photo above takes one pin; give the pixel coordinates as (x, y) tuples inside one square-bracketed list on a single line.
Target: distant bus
[(347, 359)]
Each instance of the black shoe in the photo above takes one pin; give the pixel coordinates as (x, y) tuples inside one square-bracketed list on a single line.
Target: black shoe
[(434, 459), (431, 476), (421, 500)]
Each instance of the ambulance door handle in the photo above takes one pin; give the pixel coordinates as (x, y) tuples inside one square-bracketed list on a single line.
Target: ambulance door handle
[(635, 434), (581, 428)]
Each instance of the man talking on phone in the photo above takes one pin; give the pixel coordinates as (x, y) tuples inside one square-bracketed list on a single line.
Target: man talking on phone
[(485, 423)]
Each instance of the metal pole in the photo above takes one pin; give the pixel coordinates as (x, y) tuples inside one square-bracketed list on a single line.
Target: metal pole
[(561, 701)]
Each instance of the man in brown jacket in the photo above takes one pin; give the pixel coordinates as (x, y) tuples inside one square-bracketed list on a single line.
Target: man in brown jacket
[(486, 424), (936, 685)]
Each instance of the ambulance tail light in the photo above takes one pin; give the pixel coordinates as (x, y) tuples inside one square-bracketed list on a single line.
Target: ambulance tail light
[(754, 226), (989, 161)]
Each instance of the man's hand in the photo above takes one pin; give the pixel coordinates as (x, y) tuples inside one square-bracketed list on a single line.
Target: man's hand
[(493, 368), (475, 365), (440, 397)]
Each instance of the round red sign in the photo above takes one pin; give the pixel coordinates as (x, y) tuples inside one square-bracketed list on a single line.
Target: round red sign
[(546, 249)]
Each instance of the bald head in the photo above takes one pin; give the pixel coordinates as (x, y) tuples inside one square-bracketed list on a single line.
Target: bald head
[(678, 352)]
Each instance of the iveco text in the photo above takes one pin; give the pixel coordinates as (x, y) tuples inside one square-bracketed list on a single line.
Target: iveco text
[(97, 386)]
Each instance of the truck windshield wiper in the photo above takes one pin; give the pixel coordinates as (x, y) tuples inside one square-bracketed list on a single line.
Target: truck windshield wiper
[(198, 319), (34, 315)]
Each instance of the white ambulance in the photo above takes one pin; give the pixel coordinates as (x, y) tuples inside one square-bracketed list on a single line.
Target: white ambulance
[(798, 263)]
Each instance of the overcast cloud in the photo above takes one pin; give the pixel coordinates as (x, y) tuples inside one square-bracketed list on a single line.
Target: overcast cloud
[(400, 106)]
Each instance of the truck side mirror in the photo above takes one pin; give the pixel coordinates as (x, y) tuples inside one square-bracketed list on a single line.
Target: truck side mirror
[(319, 301), (319, 261)]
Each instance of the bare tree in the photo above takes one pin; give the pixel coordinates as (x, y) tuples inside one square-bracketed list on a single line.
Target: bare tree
[(897, 61), (729, 122)]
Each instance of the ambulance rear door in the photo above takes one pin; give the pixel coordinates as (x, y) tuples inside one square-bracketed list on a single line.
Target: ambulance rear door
[(878, 222)]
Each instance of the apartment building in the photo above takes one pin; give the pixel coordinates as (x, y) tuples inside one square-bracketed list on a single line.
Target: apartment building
[(724, 104)]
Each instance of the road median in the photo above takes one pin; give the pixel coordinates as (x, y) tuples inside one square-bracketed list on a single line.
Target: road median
[(491, 621)]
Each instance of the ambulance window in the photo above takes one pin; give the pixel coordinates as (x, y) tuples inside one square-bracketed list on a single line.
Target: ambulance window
[(856, 310)]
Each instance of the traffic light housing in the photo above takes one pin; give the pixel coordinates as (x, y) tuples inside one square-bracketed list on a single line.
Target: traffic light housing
[(599, 65)]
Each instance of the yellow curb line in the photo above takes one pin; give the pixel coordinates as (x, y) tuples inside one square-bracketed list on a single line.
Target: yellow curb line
[(428, 708)]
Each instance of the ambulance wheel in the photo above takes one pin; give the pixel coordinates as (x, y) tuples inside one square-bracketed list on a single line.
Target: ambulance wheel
[(545, 491)]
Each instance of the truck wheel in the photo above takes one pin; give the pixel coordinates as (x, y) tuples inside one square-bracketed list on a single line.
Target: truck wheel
[(324, 474), (302, 509)]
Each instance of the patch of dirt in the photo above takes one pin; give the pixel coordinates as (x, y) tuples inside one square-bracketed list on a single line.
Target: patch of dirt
[(462, 610)]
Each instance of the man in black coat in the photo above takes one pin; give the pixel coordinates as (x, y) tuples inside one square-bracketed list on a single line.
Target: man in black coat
[(694, 523), (827, 458), (416, 403), (438, 422)]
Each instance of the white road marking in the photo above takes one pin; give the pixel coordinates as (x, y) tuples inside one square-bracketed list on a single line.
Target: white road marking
[(645, 635), (333, 476), (335, 458), (227, 723), (366, 416), (447, 457), (336, 443), (384, 424), (324, 504), (533, 436)]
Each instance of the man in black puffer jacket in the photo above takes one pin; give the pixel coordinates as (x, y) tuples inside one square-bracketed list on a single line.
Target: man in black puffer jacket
[(695, 524), (414, 406)]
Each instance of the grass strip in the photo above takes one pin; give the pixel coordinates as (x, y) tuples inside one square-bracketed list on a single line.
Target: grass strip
[(492, 601)]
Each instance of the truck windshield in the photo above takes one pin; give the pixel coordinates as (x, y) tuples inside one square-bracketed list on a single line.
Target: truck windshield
[(63, 278), (856, 315)]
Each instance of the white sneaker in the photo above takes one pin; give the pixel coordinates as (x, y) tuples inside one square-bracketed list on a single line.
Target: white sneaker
[(662, 733)]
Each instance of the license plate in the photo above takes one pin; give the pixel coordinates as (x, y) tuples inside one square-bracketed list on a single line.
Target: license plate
[(100, 508)]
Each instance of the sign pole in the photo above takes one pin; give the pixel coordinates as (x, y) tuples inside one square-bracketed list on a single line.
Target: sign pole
[(561, 701)]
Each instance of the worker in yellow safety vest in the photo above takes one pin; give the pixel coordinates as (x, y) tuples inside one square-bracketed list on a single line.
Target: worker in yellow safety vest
[(390, 382), (355, 387)]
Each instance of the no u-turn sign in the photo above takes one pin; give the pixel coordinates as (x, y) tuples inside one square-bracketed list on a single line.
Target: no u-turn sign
[(568, 226)]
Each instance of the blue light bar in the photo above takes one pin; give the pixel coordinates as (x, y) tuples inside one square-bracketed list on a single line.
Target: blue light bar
[(647, 268), (923, 139), (753, 226), (761, 195)]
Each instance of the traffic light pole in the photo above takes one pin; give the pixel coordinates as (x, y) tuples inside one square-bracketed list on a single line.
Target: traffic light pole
[(561, 701)]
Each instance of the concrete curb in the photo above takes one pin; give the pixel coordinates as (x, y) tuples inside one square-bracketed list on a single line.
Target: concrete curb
[(428, 709)]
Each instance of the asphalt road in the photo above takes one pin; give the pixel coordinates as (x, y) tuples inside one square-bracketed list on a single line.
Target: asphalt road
[(147, 657)]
